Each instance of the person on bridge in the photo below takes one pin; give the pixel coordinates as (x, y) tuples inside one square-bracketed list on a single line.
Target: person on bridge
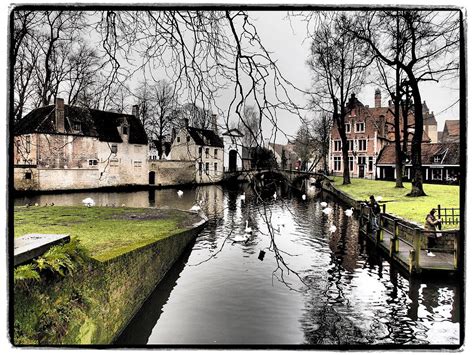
[(375, 212), (430, 224)]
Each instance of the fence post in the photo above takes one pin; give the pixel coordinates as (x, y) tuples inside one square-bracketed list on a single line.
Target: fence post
[(439, 211), (417, 245), (394, 239)]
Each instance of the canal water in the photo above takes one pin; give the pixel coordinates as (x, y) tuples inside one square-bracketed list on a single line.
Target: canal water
[(293, 281)]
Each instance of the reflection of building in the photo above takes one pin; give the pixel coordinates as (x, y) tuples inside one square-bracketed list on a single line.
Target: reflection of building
[(66, 147), (205, 148), (368, 130), (232, 150), (440, 163)]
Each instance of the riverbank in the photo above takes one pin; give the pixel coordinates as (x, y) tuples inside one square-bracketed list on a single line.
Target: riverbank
[(130, 251), (396, 201)]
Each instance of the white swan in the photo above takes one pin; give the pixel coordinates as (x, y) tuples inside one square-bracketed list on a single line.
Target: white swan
[(242, 197), (332, 228), (248, 230), (275, 196), (180, 193), (323, 204), (349, 212), (195, 208), (303, 197), (327, 210), (240, 238), (88, 202)]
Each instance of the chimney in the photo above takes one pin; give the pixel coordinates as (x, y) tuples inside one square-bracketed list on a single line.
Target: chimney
[(59, 114), (135, 111), (378, 98), (214, 122), (186, 122)]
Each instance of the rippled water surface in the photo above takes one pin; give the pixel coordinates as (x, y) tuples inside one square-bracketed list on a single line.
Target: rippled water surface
[(292, 282)]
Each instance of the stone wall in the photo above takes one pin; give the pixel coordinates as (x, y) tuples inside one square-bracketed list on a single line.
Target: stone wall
[(173, 172), (95, 305)]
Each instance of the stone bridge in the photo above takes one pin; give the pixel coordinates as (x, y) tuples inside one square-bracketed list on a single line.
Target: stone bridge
[(292, 177)]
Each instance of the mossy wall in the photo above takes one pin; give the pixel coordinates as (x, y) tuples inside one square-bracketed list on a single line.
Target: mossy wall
[(93, 305)]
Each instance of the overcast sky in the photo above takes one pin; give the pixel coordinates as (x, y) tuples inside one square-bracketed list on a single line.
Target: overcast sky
[(287, 42)]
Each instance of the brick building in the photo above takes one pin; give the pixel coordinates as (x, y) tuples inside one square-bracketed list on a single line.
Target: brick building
[(66, 147), (368, 130)]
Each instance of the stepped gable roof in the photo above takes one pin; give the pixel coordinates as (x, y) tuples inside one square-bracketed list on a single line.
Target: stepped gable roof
[(94, 123), (205, 137), (448, 152)]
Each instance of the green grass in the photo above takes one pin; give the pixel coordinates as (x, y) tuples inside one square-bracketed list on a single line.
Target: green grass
[(397, 203), (105, 232)]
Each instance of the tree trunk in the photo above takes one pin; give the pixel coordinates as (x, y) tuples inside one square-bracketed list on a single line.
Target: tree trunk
[(417, 179)]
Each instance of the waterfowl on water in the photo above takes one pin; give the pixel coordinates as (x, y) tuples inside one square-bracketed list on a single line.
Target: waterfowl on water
[(327, 210), (180, 193), (349, 212), (332, 228), (323, 204), (248, 230)]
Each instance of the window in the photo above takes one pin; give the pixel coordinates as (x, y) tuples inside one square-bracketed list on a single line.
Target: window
[(207, 167), (200, 167), (76, 126), (125, 130), (215, 153), (351, 144), (371, 164), (18, 146), (351, 163), (215, 167), (114, 148), (114, 162), (348, 127), (188, 138), (207, 152), (28, 176), (178, 139), (437, 174), (360, 127), (361, 160), (337, 146), (92, 162), (137, 164), (362, 143), (337, 163)]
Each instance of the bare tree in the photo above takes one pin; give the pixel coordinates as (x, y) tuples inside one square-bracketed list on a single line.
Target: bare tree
[(426, 50), (338, 63), (250, 126), (321, 132)]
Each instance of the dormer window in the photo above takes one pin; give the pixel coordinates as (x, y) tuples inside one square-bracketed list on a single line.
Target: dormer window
[(76, 126)]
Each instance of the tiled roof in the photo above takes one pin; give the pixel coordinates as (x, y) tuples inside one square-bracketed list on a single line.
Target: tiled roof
[(452, 126), (205, 137), (448, 153), (94, 123), (233, 132)]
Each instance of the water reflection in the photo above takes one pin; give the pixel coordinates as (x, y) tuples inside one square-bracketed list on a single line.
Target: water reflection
[(313, 286)]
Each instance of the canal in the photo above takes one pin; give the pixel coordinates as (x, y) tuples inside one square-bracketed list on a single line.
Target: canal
[(294, 280)]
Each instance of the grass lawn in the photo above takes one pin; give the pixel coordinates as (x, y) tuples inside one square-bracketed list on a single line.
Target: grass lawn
[(411, 208), (105, 232)]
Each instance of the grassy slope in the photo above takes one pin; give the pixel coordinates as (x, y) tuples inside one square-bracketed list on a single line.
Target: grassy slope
[(414, 209), (101, 230)]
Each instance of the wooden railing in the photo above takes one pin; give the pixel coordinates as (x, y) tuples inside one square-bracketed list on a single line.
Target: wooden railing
[(406, 242)]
